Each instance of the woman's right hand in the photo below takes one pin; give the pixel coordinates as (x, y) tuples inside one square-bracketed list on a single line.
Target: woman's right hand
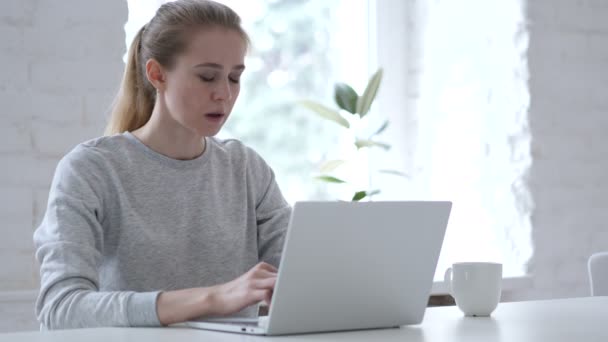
[(251, 288), (256, 285)]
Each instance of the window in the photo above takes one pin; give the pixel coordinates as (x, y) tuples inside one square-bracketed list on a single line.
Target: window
[(464, 136), (299, 48), (454, 88)]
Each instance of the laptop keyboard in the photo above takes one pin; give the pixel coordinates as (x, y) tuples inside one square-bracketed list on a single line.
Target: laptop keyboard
[(249, 322)]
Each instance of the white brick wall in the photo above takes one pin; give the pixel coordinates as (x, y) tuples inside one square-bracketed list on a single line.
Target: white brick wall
[(568, 62), (61, 65), (16, 312)]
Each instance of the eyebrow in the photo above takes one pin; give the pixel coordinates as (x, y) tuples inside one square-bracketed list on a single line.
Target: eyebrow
[(219, 66)]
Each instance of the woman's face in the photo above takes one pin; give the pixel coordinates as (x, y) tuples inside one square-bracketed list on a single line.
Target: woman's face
[(201, 88)]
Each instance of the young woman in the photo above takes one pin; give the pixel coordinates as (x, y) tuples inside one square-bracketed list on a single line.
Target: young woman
[(158, 222)]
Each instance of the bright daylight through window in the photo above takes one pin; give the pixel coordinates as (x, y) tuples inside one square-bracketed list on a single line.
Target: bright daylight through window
[(468, 136)]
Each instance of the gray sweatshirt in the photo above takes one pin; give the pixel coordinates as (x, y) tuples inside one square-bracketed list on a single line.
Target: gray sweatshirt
[(124, 223)]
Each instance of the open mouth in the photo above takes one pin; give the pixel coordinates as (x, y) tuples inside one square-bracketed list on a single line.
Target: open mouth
[(214, 115)]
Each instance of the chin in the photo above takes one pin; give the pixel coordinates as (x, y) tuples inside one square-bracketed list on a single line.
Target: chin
[(207, 132), (204, 129)]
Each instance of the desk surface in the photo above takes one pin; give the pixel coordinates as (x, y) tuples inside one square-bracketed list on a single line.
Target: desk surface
[(576, 319)]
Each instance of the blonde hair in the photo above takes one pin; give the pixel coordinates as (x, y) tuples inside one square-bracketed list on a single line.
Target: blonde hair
[(163, 38)]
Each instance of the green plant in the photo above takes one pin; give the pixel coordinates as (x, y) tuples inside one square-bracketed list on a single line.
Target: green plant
[(352, 107)]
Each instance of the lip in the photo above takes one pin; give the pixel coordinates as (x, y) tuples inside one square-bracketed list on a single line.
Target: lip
[(215, 116)]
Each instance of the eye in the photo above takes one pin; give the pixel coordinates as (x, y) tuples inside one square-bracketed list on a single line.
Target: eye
[(206, 78), (235, 78)]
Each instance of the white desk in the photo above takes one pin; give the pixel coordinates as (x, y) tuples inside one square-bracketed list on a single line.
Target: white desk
[(578, 319)]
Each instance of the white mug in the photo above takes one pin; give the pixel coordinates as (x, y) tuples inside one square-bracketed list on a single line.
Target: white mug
[(475, 286)]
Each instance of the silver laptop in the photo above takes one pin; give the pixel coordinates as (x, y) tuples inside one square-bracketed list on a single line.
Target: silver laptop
[(350, 266)]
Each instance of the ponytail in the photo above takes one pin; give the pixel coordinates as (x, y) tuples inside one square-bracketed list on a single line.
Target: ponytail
[(133, 105)]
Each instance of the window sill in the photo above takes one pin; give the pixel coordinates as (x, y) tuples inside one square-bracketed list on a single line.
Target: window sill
[(509, 284)]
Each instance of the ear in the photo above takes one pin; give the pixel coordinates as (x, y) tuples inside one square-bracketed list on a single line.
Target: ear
[(155, 74)]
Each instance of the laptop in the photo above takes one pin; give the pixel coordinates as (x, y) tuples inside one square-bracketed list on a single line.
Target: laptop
[(351, 266)]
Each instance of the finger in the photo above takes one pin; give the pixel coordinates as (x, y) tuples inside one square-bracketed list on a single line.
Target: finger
[(261, 274), (266, 283), (268, 298), (260, 296), (267, 266)]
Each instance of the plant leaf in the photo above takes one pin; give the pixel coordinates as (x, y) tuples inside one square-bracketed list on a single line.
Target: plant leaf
[(329, 179), (381, 129), (365, 101), (346, 97), (360, 143), (330, 165), (326, 112), (359, 195), (394, 172)]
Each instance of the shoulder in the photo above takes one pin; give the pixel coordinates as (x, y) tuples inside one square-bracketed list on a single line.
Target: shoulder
[(237, 152), (92, 155)]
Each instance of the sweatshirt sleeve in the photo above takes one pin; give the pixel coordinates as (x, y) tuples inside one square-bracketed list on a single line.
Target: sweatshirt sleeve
[(272, 213), (69, 247)]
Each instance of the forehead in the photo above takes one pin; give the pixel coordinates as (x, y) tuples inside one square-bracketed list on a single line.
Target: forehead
[(215, 45)]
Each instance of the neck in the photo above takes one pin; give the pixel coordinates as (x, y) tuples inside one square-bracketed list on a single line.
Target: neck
[(166, 136)]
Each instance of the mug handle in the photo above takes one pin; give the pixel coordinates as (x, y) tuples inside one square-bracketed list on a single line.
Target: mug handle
[(447, 279)]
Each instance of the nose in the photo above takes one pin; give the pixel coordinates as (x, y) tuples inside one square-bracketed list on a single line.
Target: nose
[(222, 91)]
